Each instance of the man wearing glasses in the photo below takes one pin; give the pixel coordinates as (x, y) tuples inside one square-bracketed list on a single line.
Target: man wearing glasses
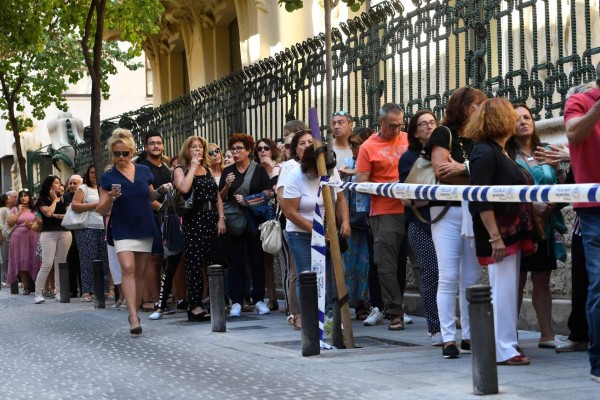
[(378, 162), (162, 175), (342, 128)]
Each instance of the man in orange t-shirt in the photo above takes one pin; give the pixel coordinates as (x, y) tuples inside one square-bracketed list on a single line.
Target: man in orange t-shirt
[(378, 162)]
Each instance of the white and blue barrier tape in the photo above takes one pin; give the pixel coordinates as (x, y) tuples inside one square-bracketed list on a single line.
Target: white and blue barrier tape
[(583, 193)]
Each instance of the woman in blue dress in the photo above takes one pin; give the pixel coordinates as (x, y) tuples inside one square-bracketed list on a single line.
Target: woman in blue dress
[(126, 192)]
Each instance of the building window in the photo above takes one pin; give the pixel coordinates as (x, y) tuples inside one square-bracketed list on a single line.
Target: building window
[(82, 88), (149, 88)]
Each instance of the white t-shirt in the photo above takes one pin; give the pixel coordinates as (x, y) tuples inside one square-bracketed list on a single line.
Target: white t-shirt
[(286, 168), (299, 185), (340, 155)]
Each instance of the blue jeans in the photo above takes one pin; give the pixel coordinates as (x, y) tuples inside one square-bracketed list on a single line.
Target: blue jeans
[(299, 243), (590, 229)]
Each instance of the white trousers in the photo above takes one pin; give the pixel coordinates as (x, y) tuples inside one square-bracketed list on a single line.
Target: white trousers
[(504, 279), (114, 265), (458, 269)]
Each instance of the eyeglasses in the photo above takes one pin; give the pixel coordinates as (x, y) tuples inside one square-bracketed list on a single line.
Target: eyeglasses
[(342, 113), (393, 127), (426, 124), (237, 149), (121, 153), (261, 148), (353, 145), (214, 152)]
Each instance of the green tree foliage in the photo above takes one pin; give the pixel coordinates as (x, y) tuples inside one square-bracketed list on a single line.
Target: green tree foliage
[(45, 45)]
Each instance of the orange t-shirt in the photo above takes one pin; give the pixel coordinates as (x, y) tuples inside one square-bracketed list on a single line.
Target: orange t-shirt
[(380, 158)]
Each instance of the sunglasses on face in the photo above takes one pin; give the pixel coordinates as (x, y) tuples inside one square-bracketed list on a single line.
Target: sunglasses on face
[(214, 152), (353, 145), (287, 145), (393, 127), (121, 153), (261, 148)]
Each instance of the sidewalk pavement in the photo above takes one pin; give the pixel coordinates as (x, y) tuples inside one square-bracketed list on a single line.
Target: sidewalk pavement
[(68, 351)]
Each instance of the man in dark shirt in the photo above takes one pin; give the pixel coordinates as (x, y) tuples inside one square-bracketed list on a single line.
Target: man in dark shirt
[(162, 174), (73, 256)]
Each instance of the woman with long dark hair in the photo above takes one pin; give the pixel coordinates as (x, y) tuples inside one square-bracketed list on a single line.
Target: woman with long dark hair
[(23, 261), (54, 239)]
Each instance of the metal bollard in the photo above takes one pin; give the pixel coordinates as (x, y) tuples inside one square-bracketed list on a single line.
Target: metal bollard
[(216, 289), (63, 277), (98, 267), (31, 284), (483, 341), (14, 287), (310, 314)]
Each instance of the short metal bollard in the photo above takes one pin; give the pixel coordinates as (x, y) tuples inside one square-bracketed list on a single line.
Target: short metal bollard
[(14, 287), (216, 288), (309, 310), (483, 341), (63, 277), (98, 267)]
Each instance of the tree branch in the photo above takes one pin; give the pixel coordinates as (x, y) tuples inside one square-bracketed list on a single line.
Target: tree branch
[(85, 40)]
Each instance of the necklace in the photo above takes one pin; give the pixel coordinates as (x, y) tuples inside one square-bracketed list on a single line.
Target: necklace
[(525, 156), (462, 149)]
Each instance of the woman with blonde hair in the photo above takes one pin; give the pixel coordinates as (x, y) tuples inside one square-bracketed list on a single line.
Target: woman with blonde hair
[(215, 161), (202, 224), (126, 192), (503, 231)]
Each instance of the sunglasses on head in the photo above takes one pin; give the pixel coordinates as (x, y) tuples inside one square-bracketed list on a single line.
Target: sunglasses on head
[(121, 153), (261, 148), (214, 152), (342, 114)]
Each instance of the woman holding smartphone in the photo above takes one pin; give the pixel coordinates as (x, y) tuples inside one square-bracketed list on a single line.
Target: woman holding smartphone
[(54, 239)]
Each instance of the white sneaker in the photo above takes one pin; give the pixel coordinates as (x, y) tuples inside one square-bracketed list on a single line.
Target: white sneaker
[(156, 315), (39, 299), (261, 308), (375, 318), (236, 310), (407, 320), (595, 378), (57, 297), (436, 339)]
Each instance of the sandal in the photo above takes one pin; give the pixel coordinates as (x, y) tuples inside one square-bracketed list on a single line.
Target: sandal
[(147, 306), (87, 297), (248, 308), (397, 323), (516, 360), (297, 322), (361, 314), (26, 292), (273, 305)]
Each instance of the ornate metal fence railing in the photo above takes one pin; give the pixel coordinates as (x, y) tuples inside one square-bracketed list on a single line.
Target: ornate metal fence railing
[(527, 51)]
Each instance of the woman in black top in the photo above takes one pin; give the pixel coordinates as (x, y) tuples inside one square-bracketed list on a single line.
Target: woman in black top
[(54, 239), (502, 230), (420, 128), (452, 234), (233, 190)]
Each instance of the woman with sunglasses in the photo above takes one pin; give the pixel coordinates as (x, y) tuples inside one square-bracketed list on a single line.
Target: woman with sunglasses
[(23, 242), (356, 258), (215, 161), (54, 239), (420, 128), (126, 192), (267, 154), (242, 179)]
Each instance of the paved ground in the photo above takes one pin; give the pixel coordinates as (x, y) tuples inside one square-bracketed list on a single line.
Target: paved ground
[(71, 351)]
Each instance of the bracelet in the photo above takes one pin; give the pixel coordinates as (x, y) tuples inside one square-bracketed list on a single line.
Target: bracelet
[(222, 216), (495, 240), (467, 167)]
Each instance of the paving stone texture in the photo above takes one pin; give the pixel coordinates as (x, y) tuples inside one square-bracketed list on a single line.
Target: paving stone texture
[(71, 351)]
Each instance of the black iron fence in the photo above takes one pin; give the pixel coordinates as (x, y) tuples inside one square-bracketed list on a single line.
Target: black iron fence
[(527, 51)]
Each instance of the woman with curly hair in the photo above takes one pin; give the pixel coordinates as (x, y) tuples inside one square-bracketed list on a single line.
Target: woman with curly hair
[(503, 231)]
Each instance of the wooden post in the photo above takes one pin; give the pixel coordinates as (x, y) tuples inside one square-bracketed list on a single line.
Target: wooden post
[(331, 229)]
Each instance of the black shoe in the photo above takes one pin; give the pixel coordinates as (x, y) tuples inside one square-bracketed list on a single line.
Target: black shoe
[(465, 347), (200, 317), (450, 351), (182, 305), (137, 331)]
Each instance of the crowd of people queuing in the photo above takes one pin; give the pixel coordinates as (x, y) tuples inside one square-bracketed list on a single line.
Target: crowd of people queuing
[(479, 141)]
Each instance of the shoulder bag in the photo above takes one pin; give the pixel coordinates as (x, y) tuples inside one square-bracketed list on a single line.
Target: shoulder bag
[(235, 219), (271, 235), (74, 220), (422, 173)]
